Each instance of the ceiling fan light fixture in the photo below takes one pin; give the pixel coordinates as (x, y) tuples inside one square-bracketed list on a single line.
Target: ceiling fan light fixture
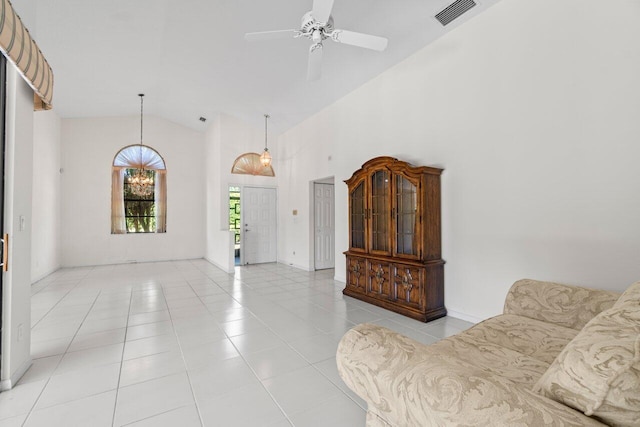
[(317, 26)]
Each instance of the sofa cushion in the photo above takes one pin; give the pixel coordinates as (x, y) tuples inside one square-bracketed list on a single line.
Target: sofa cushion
[(541, 340), (630, 295), (514, 347), (567, 306), (598, 372)]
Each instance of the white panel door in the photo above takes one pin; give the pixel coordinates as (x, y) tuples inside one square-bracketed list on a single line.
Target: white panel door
[(324, 214), (259, 231)]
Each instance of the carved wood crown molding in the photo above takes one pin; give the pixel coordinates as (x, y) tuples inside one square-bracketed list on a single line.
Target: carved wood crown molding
[(394, 165)]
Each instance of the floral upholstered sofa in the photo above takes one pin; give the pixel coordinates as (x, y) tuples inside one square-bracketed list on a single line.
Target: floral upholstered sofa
[(559, 355)]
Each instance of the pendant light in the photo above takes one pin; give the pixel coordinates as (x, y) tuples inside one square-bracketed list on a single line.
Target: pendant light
[(265, 157), (141, 182)]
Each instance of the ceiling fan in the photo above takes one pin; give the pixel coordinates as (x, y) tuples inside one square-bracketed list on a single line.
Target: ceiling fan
[(317, 26)]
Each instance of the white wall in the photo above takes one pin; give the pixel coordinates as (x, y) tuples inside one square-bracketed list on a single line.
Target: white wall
[(16, 282), (88, 150), (534, 117), (226, 139), (304, 158), (45, 230), (218, 241)]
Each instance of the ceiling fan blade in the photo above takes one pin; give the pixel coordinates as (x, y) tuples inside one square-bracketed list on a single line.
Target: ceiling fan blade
[(270, 35), (322, 10), (358, 39), (314, 68)]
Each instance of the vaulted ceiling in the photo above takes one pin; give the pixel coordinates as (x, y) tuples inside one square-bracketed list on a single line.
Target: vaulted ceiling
[(191, 60)]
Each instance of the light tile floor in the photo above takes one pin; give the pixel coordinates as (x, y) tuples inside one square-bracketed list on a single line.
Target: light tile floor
[(183, 343)]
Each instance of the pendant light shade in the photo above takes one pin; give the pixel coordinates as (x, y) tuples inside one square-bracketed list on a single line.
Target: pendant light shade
[(265, 157)]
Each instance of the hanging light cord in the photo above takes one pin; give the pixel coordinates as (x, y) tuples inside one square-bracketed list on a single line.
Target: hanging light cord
[(266, 117), (141, 95)]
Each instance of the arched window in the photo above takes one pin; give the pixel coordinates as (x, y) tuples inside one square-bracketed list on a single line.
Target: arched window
[(138, 191)]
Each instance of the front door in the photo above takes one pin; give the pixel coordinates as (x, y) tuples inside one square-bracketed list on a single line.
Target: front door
[(259, 219), (324, 226)]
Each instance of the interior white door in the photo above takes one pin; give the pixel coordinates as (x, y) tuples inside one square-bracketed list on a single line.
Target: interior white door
[(260, 225), (324, 216)]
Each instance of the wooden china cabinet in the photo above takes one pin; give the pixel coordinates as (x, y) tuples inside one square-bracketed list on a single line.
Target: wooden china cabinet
[(394, 258)]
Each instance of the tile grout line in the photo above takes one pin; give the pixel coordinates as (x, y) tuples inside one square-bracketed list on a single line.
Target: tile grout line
[(56, 304), (231, 342), (287, 344), (186, 368), (54, 282), (60, 361), (286, 416), (124, 346), (154, 415)]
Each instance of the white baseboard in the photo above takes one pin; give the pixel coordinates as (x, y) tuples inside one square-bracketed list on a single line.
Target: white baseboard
[(223, 268), (43, 275), (463, 316), (9, 383), (299, 267)]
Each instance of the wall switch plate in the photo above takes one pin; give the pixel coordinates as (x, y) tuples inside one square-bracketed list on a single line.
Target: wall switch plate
[(22, 222)]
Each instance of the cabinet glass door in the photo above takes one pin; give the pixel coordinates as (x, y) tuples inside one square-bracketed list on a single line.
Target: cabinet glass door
[(380, 215), (358, 217), (406, 217)]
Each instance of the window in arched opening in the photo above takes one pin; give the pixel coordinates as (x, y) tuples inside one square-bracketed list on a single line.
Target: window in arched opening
[(138, 191)]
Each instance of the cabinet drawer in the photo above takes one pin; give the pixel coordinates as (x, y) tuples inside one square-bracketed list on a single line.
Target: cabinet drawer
[(356, 274), (379, 282), (408, 282)]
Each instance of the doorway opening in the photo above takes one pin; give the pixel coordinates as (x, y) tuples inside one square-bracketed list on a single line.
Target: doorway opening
[(259, 225), (323, 224), (235, 221), (253, 221)]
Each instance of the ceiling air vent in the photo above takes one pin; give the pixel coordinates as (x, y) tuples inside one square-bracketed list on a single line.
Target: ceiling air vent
[(454, 10)]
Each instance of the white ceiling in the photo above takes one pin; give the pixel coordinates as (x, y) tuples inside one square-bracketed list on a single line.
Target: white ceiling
[(190, 58)]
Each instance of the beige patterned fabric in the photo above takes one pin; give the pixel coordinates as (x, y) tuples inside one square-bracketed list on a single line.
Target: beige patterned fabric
[(19, 47), (599, 371), (406, 383), (631, 295), (530, 337), (480, 377), (564, 305), (513, 347)]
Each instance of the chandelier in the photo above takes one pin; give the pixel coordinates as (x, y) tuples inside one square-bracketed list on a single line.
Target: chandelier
[(141, 181), (265, 158)]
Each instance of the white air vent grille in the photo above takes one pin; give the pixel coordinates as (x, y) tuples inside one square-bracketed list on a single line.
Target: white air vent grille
[(454, 10)]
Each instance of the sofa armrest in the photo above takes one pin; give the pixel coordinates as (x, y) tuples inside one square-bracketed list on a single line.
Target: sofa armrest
[(406, 383), (563, 305)]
